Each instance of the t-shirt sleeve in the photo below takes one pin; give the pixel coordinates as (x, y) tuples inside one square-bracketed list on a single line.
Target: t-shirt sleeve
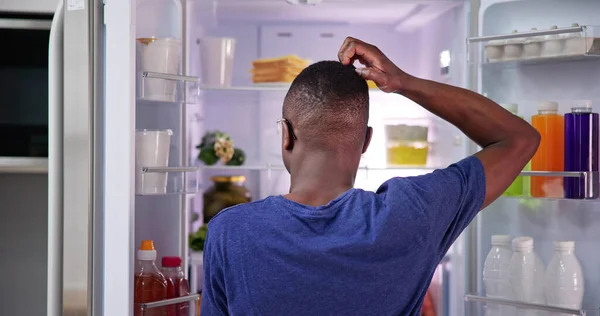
[(449, 198), (214, 301)]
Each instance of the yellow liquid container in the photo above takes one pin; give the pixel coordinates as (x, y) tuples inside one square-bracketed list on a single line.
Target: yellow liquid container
[(413, 154), (407, 144)]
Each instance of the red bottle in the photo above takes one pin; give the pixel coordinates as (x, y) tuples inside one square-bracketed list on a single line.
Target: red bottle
[(171, 268)]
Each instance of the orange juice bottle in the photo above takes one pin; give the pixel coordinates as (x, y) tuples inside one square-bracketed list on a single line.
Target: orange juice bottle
[(550, 154)]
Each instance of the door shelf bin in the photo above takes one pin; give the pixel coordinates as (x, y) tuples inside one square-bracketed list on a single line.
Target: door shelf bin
[(179, 180), (476, 304), (168, 88), (550, 45), (190, 299)]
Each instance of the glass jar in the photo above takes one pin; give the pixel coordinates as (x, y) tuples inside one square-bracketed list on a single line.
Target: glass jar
[(227, 191)]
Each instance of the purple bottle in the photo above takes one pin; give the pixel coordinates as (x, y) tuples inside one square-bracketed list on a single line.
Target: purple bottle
[(581, 152)]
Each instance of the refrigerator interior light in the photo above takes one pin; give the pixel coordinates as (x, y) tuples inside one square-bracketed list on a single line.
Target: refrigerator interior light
[(308, 2)]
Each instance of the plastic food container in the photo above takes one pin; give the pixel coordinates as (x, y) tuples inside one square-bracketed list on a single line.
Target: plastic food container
[(407, 142)]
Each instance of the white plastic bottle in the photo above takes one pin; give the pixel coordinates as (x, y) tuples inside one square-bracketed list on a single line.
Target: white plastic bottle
[(496, 274), (526, 275), (564, 277)]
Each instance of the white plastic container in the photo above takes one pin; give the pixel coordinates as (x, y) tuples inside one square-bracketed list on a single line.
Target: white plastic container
[(161, 55), (526, 275), (216, 57), (564, 277), (574, 43), (513, 49), (496, 274), (494, 50), (532, 46), (553, 44), (151, 150)]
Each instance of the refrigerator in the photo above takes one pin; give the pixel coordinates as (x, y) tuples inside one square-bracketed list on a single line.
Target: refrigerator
[(566, 74), (101, 84)]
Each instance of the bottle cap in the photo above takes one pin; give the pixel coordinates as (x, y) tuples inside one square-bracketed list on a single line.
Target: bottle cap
[(564, 245), (147, 252), (147, 245), (548, 106), (171, 262), (511, 107), (522, 243), (501, 240)]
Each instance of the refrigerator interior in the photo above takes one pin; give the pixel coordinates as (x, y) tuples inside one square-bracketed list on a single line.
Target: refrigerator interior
[(567, 81), (418, 36)]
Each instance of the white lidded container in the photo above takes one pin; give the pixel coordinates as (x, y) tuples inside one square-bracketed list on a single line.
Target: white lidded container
[(553, 44), (532, 46), (526, 275), (496, 274), (564, 277), (574, 43), (514, 48)]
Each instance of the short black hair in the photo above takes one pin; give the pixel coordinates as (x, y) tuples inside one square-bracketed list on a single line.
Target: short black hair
[(328, 105)]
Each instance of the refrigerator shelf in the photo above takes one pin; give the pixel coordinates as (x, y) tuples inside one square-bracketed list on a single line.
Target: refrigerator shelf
[(537, 46), (168, 88), (479, 301), (267, 167), (276, 87), (179, 180), (184, 299)]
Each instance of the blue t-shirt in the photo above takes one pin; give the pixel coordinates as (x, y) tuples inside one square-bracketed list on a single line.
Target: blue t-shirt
[(363, 254)]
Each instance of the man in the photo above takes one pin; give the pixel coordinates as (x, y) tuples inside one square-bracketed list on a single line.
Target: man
[(328, 249)]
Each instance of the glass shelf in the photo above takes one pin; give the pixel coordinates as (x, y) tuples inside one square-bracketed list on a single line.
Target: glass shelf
[(184, 299), (553, 45), (168, 88), (267, 167), (275, 87), (281, 87), (167, 181), (477, 303)]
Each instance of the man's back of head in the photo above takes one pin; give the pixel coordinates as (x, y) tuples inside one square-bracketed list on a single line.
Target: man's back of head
[(327, 107)]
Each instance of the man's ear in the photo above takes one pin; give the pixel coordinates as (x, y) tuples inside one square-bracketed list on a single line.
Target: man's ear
[(288, 141), (368, 137)]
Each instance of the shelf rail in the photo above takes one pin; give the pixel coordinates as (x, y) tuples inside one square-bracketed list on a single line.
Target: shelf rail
[(524, 305), (168, 169), (565, 30), (156, 75), (189, 299)]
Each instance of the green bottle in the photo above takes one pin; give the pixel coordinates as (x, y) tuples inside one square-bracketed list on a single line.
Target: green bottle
[(516, 188)]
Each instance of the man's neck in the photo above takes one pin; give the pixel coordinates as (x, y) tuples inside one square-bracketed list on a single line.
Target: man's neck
[(319, 179)]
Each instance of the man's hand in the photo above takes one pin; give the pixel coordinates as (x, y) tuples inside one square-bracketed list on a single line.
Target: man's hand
[(378, 67)]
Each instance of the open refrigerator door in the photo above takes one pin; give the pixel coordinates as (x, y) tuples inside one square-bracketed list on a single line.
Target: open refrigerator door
[(536, 245), (210, 81)]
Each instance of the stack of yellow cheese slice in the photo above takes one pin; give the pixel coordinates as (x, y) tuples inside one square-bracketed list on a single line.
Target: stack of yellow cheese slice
[(282, 69)]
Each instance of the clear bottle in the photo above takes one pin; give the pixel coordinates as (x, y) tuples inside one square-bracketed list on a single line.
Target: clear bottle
[(150, 284), (496, 274), (564, 277), (171, 268), (550, 153), (526, 275)]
